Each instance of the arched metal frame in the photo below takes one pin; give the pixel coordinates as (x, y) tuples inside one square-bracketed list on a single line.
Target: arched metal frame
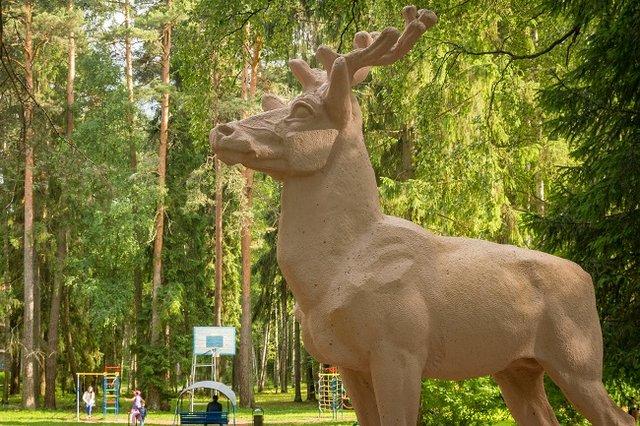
[(207, 384)]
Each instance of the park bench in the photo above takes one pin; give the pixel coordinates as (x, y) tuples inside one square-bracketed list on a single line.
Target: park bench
[(204, 417)]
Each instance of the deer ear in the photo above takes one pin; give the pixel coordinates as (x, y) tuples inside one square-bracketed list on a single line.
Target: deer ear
[(360, 76), (271, 101), (338, 99)]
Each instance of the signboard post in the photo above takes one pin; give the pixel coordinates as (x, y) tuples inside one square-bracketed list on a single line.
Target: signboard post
[(211, 342)]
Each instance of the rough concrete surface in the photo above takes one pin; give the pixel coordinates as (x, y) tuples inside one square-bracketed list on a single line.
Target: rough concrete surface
[(390, 303)]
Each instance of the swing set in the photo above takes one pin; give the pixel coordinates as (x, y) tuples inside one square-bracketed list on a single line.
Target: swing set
[(110, 389)]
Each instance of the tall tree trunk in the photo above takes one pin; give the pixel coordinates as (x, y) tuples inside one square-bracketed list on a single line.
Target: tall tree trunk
[(291, 356), (407, 144), (164, 404), (241, 367), (70, 350), (296, 370), (40, 277), (276, 341), (254, 364), (162, 176), (6, 321), (263, 357), (51, 361), (217, 164), (132, 330), (255, 64), (245, 384), (311, 380), (137, 306), (16, 367), (246, 345), (128, 75), (28, 337), (218, 242), (71, 76), (539, 177), (154, 395), (283, 349)]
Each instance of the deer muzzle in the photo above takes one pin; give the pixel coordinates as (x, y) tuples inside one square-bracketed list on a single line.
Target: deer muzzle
[(229, 137), (237, 143), (217, 134)]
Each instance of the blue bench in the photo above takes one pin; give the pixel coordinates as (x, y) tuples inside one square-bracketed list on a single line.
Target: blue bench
[(204, 417)]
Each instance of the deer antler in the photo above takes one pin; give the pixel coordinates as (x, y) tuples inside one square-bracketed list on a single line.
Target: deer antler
[(371, 49), (382, 48)]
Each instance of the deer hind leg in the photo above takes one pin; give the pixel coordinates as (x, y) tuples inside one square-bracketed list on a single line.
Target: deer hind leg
[(360, 391), (522, 387), (587, 393), (396, 377), (572, 356)]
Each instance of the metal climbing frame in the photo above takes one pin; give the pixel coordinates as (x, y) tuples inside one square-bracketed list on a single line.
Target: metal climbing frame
[(111, 389), (331, 393), (207, 362)]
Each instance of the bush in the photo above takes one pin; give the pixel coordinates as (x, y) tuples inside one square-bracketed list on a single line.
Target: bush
[(475, 401)]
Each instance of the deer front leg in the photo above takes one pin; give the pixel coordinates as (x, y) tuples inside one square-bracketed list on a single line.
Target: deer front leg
[(396, 377), (360, 390)]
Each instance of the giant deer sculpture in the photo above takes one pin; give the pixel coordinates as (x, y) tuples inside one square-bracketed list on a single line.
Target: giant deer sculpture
[(390, 303)]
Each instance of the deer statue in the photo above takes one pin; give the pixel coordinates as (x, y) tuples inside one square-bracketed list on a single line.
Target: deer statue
[(390, 303)]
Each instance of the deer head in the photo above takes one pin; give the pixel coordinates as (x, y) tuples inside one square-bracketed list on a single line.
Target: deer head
[(297, 138)]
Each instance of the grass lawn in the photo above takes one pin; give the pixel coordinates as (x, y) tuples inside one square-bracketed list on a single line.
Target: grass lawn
[(278, 410)]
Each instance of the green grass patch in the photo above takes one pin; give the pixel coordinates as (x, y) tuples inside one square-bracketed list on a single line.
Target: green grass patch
[(278, 410)]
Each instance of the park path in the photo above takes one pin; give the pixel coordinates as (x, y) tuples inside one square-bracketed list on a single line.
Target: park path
[(149, 422)]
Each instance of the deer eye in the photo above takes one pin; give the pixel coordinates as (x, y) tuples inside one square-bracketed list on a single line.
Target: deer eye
[(301, 110)]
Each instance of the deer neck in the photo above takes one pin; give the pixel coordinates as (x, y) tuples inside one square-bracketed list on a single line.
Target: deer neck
[(323, 216)]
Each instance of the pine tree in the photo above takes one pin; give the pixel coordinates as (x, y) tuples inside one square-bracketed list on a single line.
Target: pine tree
[(593, 214), (28, 334)]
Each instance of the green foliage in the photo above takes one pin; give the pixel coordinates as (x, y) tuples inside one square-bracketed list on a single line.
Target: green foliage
[(469, 125), (472, 402), (593, 215), (466, 138)]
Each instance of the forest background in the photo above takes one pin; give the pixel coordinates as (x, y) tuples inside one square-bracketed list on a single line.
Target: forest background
[(512, 121)]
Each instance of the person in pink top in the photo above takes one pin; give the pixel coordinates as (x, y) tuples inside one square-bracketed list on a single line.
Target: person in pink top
[(136, 408)]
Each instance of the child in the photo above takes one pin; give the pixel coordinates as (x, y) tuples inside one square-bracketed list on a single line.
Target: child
[(136, 408), (143, 412)]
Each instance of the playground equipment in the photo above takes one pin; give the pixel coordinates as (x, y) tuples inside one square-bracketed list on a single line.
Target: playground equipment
[(332, 396), (206, 417), (110, 389), (209, 343)]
